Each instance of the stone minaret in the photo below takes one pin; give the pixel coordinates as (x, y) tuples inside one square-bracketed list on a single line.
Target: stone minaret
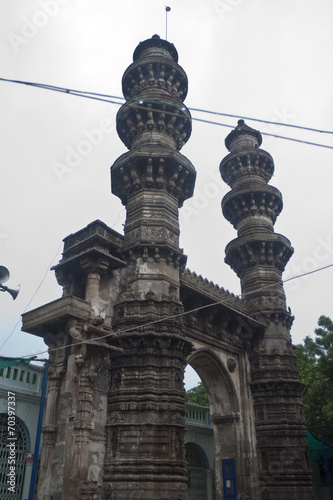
[(258, 256), (145, 428)]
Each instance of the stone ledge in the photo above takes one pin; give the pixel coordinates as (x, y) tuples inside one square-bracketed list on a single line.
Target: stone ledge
[(54, 314)]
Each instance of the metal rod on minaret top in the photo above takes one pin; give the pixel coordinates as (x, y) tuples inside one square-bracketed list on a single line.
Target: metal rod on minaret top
[(167, 9)]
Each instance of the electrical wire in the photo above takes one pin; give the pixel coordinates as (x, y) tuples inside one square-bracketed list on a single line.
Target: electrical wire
[(40, 284), (263, 121), (33, 296), (178, 315), (120, 212), (268, 134), (307, 273), (64, 90), (110, 99), (98, 97)]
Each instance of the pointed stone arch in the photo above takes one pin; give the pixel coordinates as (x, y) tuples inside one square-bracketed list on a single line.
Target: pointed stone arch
[(220, 388), (231, 413)]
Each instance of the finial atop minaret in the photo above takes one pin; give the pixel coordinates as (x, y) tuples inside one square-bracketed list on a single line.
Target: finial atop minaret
[(243, 137), (155, 46), (167, 9)]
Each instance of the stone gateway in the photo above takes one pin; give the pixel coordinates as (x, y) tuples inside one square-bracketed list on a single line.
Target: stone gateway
[(132, 316)]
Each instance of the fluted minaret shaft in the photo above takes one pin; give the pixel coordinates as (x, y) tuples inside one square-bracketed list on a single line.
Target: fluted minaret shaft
[(154, 124), (258, 255), (252, 207), (146, 405)]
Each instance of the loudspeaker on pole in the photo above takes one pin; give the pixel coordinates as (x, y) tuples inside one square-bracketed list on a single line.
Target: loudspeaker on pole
[(4, 276)]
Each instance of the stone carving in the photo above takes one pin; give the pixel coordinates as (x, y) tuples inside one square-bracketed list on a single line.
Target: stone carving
[(116, 402), (231, 365), (258, 256), (75, 329)]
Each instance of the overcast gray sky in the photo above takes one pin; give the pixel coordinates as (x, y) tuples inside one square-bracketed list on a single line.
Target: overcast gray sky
[(267, 59)]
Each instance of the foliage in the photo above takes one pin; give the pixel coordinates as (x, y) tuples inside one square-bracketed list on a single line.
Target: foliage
[(315, 363), (197, 395)]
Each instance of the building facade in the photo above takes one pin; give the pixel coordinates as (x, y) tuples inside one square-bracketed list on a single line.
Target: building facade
[(132, 317), (23, 385), (199, 450)]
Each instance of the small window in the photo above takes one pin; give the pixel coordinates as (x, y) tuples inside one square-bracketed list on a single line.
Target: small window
[(34, 378), (28, 378), (8, 373), (15, 373), (21, 376)]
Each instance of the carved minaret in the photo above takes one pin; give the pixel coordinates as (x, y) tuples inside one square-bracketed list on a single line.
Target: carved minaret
[(145, 429), (258, 256)]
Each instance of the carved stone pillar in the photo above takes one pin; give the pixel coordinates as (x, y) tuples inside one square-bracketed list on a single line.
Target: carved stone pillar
[(49, 431), (56, 374), (93, 269)]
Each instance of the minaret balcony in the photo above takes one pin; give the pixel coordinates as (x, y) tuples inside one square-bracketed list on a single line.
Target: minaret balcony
[(153, 122), (160, 168), (241, 168), (252, 207), (265, 250)]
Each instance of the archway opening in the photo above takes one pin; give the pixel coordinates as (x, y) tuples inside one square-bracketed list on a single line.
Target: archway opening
[(220, 426), (199, 440), (216, 380)]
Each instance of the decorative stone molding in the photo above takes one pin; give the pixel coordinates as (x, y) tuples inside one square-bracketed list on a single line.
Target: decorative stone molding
[(203, 285), (264, 250), (241, 203), (225, 419), (165, 169), (231, 363)]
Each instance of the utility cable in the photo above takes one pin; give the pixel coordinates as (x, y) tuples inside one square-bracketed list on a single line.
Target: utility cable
[(267, 133), (178, 315), (307, 273), (33, 296), (262, 121), (64, 90), (99, 96)]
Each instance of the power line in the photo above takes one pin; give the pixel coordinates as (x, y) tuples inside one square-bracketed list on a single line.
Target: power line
[(263, 121), (178, 315), (64, 90), (307, 273), (101, 97), (40, 284), (33, 296), (267, 133), (140, 102)]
